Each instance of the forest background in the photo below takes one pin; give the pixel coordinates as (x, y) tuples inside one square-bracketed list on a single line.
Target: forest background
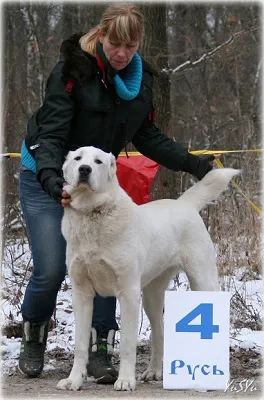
[(208, 97)]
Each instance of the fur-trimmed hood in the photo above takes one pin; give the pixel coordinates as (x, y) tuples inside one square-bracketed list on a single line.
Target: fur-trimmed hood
[(79, 66)]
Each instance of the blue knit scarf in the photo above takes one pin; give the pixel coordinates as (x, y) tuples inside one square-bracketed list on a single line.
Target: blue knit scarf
[(127, 82)]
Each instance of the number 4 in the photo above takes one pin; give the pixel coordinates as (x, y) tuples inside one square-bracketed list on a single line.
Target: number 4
[(206, 328)]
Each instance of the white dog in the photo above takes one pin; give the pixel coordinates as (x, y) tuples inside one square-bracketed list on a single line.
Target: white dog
[(116, 248)]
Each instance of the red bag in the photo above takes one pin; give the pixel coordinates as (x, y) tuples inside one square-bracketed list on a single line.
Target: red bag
[(135, 175)]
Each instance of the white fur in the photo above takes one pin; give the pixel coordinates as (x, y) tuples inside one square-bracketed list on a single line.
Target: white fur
[(117, 248)]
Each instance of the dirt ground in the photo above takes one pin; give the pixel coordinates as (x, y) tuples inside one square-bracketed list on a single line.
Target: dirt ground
[(245, 365)]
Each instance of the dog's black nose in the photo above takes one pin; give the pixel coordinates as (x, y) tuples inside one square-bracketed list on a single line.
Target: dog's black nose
[(85, 169)]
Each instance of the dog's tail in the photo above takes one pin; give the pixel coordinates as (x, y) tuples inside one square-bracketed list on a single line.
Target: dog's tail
[(209, 188)]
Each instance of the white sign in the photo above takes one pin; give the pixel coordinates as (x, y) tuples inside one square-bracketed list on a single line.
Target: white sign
[(196, 340)]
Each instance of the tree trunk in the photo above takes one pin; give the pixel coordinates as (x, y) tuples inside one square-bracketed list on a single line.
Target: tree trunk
[(155, 51)]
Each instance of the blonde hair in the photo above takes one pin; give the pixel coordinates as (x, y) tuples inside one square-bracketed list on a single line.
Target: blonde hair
[(121, 22)]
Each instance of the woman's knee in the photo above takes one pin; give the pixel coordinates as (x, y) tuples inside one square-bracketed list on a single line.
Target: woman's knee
[(49, 276), (55, 277)]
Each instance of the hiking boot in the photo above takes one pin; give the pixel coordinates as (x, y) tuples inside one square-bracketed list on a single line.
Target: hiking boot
[(33, 344), (100, 354)]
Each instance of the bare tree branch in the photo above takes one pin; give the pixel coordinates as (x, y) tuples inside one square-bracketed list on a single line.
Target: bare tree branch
[(189, 65)]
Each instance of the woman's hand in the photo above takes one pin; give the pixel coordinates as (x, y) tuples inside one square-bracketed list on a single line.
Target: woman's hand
[(66, 198), (199, 166)]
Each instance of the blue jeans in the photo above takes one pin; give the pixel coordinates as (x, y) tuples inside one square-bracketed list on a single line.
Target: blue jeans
[(43, 221)]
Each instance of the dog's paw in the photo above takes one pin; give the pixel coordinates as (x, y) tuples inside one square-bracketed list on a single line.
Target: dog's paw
[(70, 384), (125, 384), (149, 375)]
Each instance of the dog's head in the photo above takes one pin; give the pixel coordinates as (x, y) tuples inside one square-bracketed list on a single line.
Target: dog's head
[(90, 168)]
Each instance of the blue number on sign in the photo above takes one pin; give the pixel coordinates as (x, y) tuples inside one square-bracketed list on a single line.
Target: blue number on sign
[(206, 328)]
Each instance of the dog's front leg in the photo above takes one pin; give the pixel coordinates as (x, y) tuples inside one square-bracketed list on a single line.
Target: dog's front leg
[(129, 308), (82, 299)]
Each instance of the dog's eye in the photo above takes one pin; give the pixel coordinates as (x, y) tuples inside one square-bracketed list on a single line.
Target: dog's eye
[(98, 161), (78, 158)]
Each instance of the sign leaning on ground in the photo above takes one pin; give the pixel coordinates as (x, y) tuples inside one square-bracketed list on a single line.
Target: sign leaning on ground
[(196, 340)]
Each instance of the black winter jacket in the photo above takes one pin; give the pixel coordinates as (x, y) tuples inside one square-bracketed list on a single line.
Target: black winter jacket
[(79, 110)]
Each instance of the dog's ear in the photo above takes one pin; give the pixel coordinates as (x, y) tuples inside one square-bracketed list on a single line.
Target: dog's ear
[(67, 159), (112, 166), (65, 163)]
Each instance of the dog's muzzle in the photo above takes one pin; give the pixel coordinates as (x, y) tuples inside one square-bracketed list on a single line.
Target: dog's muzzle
[(84, 173)]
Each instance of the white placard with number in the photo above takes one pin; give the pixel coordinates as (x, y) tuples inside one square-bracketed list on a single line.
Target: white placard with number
[(196, 340)]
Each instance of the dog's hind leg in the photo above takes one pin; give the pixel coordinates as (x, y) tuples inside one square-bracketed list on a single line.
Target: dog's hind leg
[(82, 299), (204, 281), (153, 302), (129, 299), (199, 264)]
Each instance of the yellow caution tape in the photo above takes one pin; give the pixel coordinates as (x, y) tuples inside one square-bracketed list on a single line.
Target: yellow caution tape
[(198, 152), (129, 153), (10, 155)]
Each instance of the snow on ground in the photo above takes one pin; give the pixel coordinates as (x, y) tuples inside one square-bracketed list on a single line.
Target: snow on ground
[(14, 279)]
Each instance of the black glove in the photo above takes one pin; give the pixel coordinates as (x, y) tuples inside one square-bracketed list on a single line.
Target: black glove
[(52, 184), (198, 165)]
